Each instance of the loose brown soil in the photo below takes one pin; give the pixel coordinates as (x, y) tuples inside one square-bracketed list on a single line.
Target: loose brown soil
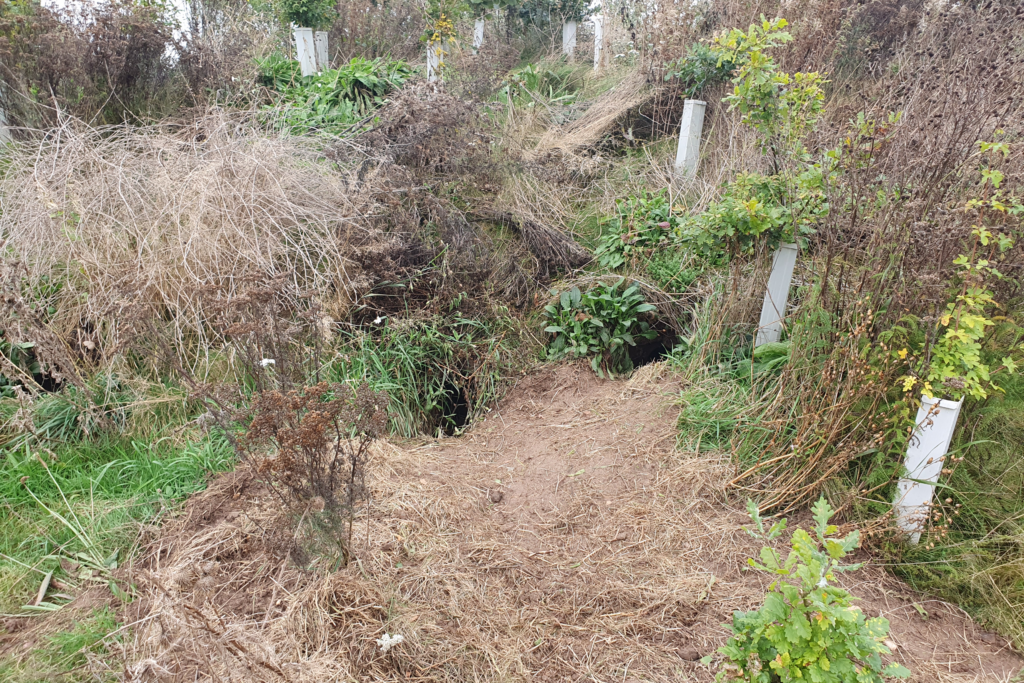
[(563, 538)]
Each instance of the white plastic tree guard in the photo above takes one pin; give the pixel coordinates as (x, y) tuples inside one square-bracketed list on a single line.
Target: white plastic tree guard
[(598, 40), (433, 62), (690, 129), (323, 61), (773, 310), (305, 51), (936, 421), (478, 34), (568, 38)]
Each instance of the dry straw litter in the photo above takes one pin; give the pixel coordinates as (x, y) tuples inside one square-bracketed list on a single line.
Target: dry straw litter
[(561, 539)]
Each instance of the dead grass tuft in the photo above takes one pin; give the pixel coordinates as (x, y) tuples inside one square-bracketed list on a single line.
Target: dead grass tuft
[(106, 219), (600, 117)]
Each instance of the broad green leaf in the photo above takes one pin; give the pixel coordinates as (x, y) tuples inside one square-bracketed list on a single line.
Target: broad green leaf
[(895, 670), (774, 607)]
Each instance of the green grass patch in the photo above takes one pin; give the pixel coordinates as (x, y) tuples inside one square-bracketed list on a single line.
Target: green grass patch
[(94, 465), (89, 497), (77, 487), (432, 370), (710, 414), (68, 649)]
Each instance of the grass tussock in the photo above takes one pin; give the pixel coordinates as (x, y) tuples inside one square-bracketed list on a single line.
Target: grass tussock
[(106, 219)]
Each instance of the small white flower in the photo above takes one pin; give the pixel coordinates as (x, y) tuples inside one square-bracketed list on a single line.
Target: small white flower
[(388, 642), (379, 319), (266, 361)]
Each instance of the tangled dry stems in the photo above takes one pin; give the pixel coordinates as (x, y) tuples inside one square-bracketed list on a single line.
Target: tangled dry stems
[(112, 218), (109, 224)]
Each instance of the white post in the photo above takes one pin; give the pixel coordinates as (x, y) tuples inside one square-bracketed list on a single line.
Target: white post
[(773, 310), (304, 50), (322, 60), (568, 38), (5, 133), (433, 62), (478, 34), (936, 421), (690, 129), (598, 40)]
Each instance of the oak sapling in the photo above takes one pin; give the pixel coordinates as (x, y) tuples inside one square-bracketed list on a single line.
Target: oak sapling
[(807, 629)]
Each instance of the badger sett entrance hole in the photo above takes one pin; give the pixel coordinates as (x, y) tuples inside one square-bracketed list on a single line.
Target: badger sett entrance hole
[(651, 351), (454, 409)]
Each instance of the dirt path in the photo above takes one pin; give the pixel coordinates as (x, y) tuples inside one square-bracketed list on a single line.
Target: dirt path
[(561, 539)]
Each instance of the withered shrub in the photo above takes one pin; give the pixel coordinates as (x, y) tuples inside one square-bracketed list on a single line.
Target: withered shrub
[(308, 439), (108, 67), (321, 439), (431, 132), (321, 435)]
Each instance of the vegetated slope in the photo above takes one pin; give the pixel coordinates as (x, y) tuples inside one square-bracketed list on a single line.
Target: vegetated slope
[(562, 538), (498, 557)]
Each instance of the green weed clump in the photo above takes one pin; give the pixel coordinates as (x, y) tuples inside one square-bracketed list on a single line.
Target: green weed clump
[(639, 226), (439, 373), (710, 414), (68, 650), (672, 270), (548, 83), (332, 100), (601, 323)]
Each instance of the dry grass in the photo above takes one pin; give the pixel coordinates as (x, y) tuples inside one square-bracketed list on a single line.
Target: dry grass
[(109, 224), (561, 539), (106, 219), (580, 580), (599, 118)]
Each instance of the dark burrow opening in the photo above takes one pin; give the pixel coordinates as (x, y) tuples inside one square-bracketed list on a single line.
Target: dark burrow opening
[(454, 409), (651, 351)]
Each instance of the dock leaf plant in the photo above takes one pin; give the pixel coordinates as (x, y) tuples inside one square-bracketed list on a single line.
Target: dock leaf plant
[(602, 323)]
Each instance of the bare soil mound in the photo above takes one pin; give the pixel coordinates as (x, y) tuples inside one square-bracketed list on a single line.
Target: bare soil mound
[(561, 539)]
